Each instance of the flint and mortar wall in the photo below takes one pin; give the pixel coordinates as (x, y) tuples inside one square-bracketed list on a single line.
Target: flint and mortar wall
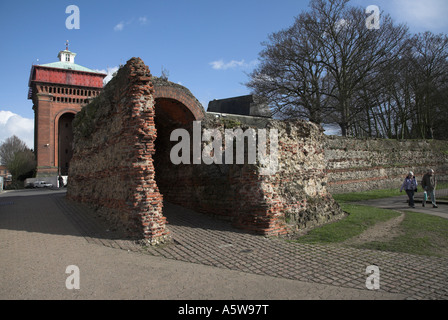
[(366, 164), (112, 167), (293, 198)]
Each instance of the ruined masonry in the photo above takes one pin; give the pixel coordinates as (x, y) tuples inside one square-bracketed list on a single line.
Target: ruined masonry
[(121, 164), (367, 164)]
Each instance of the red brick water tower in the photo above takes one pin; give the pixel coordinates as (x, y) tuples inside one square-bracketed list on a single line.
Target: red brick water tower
[(59, 90)]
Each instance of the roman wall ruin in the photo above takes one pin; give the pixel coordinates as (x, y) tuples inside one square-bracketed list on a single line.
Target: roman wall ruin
[(366, 164), (112, 167), (121, 164)]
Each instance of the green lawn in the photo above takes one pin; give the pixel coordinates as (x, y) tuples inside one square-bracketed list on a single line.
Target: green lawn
[(377, 194), (367, 195), (421, 233), (359, 219)]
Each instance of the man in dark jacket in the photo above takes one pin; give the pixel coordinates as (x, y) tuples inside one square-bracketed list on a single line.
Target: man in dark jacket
[(429, 184)]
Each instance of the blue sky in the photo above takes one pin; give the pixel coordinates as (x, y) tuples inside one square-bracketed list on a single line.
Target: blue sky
[(208, 46)]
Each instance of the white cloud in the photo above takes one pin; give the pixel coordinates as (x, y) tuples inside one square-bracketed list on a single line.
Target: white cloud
[(421, 14), (221, 65), (110, 72), (119, 26), (14, 124), (332, 129), (143, 20)]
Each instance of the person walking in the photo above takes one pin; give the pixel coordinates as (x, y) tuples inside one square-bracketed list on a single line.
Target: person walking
[(429, 184), (61, 181), (410, 186)]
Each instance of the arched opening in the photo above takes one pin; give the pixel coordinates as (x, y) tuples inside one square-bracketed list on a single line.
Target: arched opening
[(65, 142), (170, 115)]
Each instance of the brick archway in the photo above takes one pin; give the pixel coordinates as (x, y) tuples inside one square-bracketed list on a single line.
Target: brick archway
[(63, 139), (169, 91), (175, 107)]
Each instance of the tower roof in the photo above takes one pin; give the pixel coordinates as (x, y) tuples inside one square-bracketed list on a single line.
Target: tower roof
[(65, 72), (67, 65), (67, 61)]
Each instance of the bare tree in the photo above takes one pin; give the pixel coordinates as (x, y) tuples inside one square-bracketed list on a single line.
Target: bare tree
[(429, 63), (17, 157), (322, 67), (329, 67), (288, 75), (165, 74), (413, 101), (353, 55), (9, 148)]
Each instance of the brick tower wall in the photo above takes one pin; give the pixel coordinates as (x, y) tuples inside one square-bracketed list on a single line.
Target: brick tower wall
[(56, 94)]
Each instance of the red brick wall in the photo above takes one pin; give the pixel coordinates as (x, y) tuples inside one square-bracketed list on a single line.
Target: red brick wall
[(71, 77), (47, 115), (56, 92), (172, 93), (112, 167)]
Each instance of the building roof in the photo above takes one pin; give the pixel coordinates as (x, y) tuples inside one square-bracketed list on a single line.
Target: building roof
[(68, 66), (67, 61), (248, 105)]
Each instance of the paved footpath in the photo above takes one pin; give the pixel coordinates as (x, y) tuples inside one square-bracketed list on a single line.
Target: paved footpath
[(41, 233), (400, 203)]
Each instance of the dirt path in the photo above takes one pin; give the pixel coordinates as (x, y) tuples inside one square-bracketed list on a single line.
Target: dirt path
[(382, 231)]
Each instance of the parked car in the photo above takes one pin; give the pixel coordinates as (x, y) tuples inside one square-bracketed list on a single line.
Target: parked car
[(42, 184), (29, 185)]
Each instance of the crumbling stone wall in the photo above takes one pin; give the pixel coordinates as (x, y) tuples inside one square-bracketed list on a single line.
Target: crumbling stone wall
[(121, 165), (293, 198), (366, 164), (112, 167)]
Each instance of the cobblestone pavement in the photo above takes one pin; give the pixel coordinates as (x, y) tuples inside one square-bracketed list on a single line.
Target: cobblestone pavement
[(203, 240), (208, 259)]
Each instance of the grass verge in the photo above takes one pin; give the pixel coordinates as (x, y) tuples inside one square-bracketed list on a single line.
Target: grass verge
[(377, 194), (421, 234), (359, 219)]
